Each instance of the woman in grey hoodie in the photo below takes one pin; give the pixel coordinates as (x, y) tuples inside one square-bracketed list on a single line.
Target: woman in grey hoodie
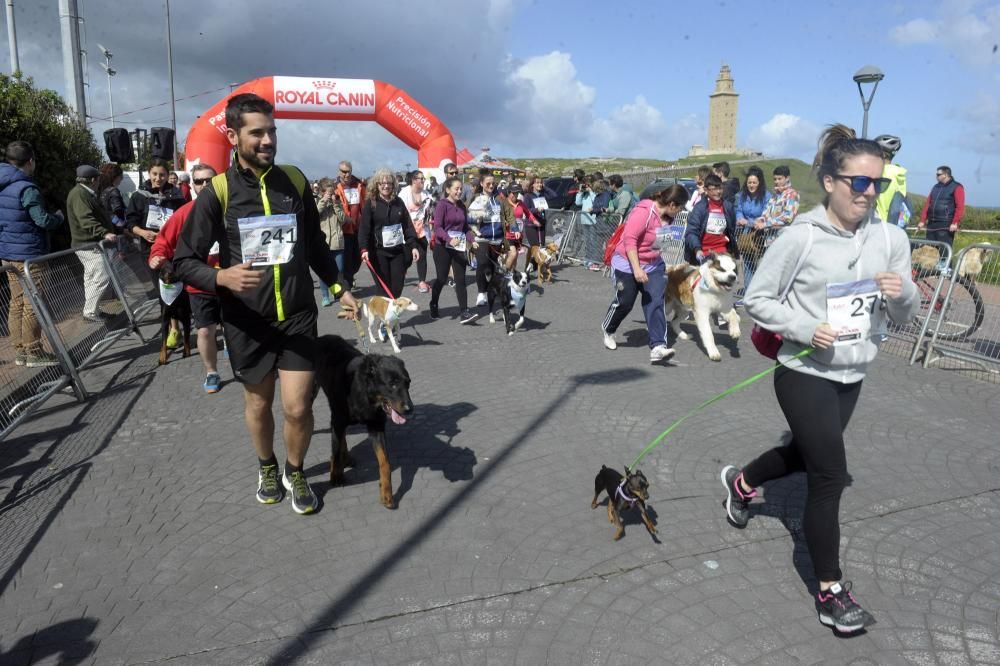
[(848, 271)]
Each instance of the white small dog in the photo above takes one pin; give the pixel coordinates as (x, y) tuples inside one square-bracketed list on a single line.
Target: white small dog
[(706, 290), (380, 310)]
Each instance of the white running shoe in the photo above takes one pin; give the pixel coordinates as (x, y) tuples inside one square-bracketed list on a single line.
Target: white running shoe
[(660, 353), (480, 299), (609, 341)]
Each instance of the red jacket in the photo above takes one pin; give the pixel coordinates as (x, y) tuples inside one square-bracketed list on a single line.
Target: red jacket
[(166, 242)]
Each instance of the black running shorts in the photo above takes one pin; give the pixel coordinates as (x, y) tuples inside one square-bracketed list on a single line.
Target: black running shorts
[(205, 310), (258, 348)]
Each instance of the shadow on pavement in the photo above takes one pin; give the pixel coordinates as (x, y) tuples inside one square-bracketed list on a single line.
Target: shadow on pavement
[(296, 646), (69, 640)]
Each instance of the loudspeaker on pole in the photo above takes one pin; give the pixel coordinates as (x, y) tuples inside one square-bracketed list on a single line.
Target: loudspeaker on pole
[(161, 143), (118, 145)]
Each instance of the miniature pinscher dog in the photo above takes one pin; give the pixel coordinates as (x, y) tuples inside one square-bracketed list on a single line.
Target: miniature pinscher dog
[(629, 491)]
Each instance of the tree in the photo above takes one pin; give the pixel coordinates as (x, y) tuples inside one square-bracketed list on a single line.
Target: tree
[(61, 142)]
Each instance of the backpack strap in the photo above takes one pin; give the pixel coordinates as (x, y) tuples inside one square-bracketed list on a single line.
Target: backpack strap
[(220, 184)]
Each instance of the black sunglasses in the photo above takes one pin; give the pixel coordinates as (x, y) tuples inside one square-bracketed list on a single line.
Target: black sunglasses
[(201, 181), (860, 184), (346, 173)]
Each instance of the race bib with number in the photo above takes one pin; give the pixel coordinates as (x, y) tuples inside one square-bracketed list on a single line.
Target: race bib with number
[(157, 216), (541, 203), (666, 233), (392, 235), (353, 196), (854, 310), (716, 224), (267, 240), (460, 235)]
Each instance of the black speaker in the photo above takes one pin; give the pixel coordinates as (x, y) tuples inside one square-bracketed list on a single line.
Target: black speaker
[(161, 143), (118, 145)]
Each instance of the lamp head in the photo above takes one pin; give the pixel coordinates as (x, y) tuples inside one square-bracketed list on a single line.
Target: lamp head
[(868, 74)]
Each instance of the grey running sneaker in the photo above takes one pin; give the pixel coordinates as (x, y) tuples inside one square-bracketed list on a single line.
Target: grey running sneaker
[(737, 502), (303, 499), (660, 353), (468, 316), (268, 488), (40, 359), (838, 608)]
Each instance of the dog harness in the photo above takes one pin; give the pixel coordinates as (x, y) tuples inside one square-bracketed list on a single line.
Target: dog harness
[(621, 493)]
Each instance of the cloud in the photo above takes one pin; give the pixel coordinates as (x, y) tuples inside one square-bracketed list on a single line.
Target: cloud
[(549, 103), (980, 133), (785, 134), (638, 129), (963, 28)]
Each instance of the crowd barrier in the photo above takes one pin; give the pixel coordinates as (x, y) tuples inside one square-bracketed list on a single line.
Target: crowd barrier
[(44, 301), (966, 325)]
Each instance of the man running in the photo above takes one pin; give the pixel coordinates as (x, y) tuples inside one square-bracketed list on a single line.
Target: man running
[(267, 226)]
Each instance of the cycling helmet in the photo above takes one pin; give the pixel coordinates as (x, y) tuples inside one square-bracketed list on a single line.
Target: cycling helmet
[(890, 144)]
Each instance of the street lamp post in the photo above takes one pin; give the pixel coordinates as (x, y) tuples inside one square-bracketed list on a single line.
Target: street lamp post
[(865, 75), (111, 72)]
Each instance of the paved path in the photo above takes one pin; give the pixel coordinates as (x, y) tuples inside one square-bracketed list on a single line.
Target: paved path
[(129, 533)]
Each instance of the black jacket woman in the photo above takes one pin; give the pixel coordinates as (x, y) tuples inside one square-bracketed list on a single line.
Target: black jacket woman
[(386, 235)]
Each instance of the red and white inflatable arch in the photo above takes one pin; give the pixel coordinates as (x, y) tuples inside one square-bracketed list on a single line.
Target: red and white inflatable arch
[(329, 99)]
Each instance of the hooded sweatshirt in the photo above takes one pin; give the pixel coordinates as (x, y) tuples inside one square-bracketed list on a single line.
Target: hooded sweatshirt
[(835, 256)]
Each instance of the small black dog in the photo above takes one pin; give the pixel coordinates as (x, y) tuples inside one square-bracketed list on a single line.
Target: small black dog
[(361, 388), (179, 308), (629, 491), (512, 293)]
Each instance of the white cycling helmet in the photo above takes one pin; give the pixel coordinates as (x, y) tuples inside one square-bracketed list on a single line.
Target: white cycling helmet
[(889, 143)]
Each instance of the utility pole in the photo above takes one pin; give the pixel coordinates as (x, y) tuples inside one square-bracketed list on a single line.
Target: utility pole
[(15, 65), (111, 72), (170, 72), (69, 20)]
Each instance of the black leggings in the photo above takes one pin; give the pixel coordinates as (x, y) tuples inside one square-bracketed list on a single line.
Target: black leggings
[(456, 261), (391, 265), (352, 257), (422, 261), (817, 411)]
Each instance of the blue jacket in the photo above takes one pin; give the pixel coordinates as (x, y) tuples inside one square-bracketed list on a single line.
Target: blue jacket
[(20, 237), (696, 229), (748, 209)]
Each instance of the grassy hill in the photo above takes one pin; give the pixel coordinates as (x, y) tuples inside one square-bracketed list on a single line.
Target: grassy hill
[(976, 218)]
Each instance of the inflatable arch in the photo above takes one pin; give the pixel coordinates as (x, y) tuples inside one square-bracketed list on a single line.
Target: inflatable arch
[(329, 99)]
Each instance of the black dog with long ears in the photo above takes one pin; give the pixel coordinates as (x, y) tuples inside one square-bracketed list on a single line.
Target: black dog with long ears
[(629, 491), (366, 389)]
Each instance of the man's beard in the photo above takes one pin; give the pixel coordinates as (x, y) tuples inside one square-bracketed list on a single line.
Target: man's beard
[(254, 160)]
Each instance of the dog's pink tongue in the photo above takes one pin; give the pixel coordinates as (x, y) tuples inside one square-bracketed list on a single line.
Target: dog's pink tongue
[(397, 418)]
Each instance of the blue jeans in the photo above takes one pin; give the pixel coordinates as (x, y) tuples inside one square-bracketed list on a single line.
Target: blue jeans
[(338, 258), (626, 291)]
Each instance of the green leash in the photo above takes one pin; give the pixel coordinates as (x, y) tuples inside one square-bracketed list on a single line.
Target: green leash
[(729, 391)]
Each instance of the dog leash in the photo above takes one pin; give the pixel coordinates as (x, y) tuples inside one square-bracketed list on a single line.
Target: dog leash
[(343, 314), (729, 391), (375, 273)]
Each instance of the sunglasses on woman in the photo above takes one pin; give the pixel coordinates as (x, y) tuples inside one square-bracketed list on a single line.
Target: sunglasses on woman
[(860, 184)]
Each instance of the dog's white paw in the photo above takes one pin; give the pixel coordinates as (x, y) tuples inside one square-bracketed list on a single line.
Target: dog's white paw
[(683, 336), (735, 335), (519, 324), (510, 332), (715, 355)]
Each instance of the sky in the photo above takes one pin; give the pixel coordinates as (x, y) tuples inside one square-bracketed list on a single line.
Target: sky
[(562, 79)]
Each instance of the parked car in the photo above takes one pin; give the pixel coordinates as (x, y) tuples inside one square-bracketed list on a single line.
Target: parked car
[(688, 184), (565, 189)]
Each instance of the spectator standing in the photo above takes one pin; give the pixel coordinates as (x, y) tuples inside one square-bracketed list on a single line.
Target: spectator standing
[(90, 223), (351, 192), (699, 180), (453, 237), (711, 226), (385, 233), (185, 184), (750, 205), (889, 201), (111, 198), (205, 309), (639, 269), (24, 227), (585, 197), (331, 221), (730, 186), (624, 197), (944, 208), (836, 253), (784, 205), (418, 205)]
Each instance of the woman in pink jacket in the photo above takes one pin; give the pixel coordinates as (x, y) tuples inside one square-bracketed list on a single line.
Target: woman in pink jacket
[(639, 268)]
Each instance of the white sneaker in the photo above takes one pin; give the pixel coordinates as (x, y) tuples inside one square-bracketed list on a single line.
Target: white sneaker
[(660, 353), (480, 299), (609, 341)]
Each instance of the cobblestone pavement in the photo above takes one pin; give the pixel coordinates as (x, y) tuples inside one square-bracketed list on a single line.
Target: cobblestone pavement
[(129, 532)]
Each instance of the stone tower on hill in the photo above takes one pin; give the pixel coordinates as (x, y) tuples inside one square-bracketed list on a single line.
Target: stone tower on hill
[(722, 114)]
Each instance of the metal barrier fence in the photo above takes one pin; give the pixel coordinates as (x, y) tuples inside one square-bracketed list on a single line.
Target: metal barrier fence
[(49, 339), (967, 324), (586, 237)]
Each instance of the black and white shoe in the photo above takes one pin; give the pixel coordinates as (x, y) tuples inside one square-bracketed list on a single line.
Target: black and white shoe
[(268, 489), (467, 316), (303, 499), (838, 608), (737, 502)]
